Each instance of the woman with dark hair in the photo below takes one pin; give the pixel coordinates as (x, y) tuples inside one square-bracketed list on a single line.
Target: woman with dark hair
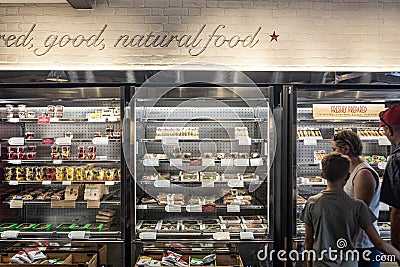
[(363, 184)]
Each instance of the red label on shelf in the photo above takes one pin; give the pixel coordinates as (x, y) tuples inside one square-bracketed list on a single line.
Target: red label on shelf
[(43, 120), (47, 141), (210, 208), (196, 162)]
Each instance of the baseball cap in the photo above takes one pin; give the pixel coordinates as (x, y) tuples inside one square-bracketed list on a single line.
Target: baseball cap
[(390, 116)]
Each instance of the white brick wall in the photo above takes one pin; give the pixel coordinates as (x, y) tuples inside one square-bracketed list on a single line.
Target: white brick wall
[(313, 34)]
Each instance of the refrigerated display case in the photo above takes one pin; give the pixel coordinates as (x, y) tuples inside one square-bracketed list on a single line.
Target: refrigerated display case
[(61, 165), (314, 114), (201, 158)]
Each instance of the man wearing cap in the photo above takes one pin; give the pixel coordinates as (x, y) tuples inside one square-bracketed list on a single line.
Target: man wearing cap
[(390, 192)]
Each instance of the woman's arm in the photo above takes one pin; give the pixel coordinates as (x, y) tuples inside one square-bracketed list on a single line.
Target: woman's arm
[(364, 186)]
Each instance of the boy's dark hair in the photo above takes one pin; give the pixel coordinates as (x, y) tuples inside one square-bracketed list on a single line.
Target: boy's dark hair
[(350, 138), (335, 166)]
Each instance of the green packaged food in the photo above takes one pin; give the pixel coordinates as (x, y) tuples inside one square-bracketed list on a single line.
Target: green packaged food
[(95, 227), (43, 227), (26, 226), (8, 226), (65, 227)]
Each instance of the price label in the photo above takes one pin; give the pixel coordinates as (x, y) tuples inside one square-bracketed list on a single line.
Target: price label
[(46, 182), (221, 236), (309, 141), (256, 162), (194, 208), (112, 119), (16, 141), (233, 208), (383, 141), (151, 162), (382, 165), (54, 119), (47, 141), (141, 207), (43, 120), (207, 162), (100, 141), (247, 235), (77, 235), (15, 161), (66, 182), (210, 208), (63, 141), (16, 204), (57, 161), (244, 141), (162, 183), (173, 208), (235, 183), (176, 162), (10, 234), (109, 183), (241, 162), (207, 183), (14, 120), (226, 162), (195, 162), (170, 140), (383, 207), (148, 235), (13, 183), (96, 119), (102, 157)]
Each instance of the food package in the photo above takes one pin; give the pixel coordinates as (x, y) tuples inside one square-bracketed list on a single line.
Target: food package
[(230, 219), (73, 192), (94, 191), (209, 176), (189, 176), (43, 227)]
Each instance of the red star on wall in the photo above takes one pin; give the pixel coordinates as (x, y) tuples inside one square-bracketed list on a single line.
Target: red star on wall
[(274, 37)]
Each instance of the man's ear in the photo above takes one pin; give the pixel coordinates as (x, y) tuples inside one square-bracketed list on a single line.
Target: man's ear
[(323, 175)]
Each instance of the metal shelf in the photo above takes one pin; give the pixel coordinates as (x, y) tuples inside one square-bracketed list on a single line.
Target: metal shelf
[(88, 140), (45, 202), (337, 121), (59, 120), (47, 161), (202, 140), (64, 182), (151, 182), (219, 206), (205, 120), (104, 236)]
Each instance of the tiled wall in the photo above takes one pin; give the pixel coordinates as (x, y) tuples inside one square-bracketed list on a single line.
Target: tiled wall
[(313, 35)]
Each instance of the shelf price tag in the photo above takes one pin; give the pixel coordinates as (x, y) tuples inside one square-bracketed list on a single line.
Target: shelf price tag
[(112, 119), (309, 141), (47, 141), (247, 235), (47, 182), (256, 162), (170, 140), (207, 184), (233, 208), (141, 207), (221, 236), (57, 161), (383, 206), (383, 141), (100, 141), (207, 162), (382, 165), (162, 183), (15, 161), (16, 141), (66, 183), (43, 120), (148, 235), (241, 162), (194, 208), (173, 208), (151, 162), (13, 183), (16, 204), (77, 235), (244, 141), (210, 208), (54, 119), (109, 183), (235, 183), (176, 162), (196, 162), (226, 162), (63, 141), (10, 234), (14, 120), (96, 119)]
